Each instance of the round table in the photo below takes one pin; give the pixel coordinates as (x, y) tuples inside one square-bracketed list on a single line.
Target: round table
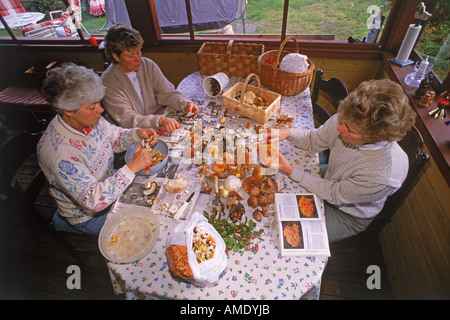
[(260, 272)]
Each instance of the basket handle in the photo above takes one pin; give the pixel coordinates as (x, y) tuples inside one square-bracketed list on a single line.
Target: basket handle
[(277, 61), (244, 87), (230, 44)]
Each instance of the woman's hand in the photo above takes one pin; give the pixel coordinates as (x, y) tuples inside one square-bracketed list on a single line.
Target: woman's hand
[(142, 158), (191, 107), (282, 164), (146, 134), (277, 134), (169, 124)]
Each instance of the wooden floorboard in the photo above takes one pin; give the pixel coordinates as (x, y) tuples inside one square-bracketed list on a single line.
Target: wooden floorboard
[(34, 266)]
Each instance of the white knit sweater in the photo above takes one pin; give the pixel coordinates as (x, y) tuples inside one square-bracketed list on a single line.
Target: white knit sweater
[(359, 178), (79, 167)]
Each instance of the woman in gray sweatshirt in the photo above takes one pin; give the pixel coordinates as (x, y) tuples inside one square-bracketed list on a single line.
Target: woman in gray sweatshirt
[(366, 164)]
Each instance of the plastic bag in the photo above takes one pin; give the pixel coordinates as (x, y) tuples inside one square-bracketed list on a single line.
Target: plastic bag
[(295, 63), (181, 257)]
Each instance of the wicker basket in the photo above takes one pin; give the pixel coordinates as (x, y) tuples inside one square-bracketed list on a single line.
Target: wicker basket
[(285, 83), (234, 59), (248, 110)]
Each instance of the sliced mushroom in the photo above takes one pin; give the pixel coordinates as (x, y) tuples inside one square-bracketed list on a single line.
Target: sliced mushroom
[(150, 188)]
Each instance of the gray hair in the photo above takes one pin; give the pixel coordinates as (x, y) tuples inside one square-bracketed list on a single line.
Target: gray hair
[(68, 87)]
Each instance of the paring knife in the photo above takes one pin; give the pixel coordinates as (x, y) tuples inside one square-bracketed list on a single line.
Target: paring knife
[(183, 207)]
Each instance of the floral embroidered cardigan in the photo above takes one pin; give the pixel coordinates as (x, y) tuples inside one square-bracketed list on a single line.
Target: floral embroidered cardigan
[(79, 167)]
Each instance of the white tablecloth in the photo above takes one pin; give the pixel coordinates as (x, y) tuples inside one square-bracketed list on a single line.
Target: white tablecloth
[(257, 273)]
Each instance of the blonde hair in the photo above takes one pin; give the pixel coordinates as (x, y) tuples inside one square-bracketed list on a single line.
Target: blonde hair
[(379, 110)]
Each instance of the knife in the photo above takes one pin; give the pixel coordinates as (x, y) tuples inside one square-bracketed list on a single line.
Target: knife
[(183, 207)]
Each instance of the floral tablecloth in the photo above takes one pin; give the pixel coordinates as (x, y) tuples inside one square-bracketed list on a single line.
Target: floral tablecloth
[(258, 273)]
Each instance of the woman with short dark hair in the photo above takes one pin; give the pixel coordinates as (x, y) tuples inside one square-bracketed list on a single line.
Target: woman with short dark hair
[(136, 89)]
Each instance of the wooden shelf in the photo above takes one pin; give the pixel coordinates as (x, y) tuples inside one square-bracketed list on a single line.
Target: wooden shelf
[(435, 132)]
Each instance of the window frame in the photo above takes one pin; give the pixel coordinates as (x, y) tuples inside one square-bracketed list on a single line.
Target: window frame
[(143, 16)]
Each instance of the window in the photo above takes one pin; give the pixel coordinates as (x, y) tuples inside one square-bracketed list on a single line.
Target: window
[(435, 40), (52, 18), (325, 20)]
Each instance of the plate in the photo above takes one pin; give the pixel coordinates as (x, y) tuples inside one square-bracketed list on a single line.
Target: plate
[(128, 235), (160, 146)]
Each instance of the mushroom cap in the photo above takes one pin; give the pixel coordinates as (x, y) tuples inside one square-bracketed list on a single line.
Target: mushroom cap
[(249, 183), (233, 183), (269, 185), (252, 201), (263, 200)]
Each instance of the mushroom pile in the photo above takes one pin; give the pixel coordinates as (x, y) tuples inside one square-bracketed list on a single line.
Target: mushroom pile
[(261, 190)]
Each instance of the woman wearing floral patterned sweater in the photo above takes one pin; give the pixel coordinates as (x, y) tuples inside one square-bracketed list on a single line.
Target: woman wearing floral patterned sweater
[(77, 149)]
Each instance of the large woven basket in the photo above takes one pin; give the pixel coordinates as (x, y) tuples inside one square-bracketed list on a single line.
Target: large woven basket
[(234, 59), (247, 110), (283, 82)]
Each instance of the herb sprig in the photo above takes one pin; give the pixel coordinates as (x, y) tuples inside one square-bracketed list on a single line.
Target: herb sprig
[(236, 235)]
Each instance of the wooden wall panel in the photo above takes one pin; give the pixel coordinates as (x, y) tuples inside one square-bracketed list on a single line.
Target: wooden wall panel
[(416, 244), (175, 65)]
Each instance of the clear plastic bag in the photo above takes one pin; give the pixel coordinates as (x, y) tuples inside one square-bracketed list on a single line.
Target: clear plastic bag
[(181, 257), (294, 62)]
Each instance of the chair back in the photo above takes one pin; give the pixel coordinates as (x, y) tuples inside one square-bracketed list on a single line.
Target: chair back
[(412, 145), (8, 7), (23, 200), (12, 155), (334, 88)]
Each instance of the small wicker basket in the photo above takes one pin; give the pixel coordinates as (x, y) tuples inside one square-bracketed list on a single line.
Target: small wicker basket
[(234, 59), (283, 82), (247, 110)]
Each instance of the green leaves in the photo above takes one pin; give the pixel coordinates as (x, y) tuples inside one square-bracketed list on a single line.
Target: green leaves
[(236, 235)]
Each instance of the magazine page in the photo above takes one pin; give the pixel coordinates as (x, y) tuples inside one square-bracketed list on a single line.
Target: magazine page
[(301, 225), (161, 202)]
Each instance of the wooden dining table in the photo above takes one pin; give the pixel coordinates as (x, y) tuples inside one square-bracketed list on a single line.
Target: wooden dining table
[(256, 272)]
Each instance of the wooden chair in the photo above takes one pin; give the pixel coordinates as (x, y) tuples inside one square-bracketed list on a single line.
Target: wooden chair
[(335, 90), (13, 154), (412, 145)]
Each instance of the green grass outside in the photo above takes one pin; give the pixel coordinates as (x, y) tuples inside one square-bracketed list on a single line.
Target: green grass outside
[(341, 18)]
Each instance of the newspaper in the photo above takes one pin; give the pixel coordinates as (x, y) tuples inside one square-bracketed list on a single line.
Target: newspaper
[(211, 122), (161, 202), (301, 225)]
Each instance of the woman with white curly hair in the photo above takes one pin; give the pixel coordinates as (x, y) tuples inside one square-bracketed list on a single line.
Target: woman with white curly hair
[(366, 164), (77, 149)]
